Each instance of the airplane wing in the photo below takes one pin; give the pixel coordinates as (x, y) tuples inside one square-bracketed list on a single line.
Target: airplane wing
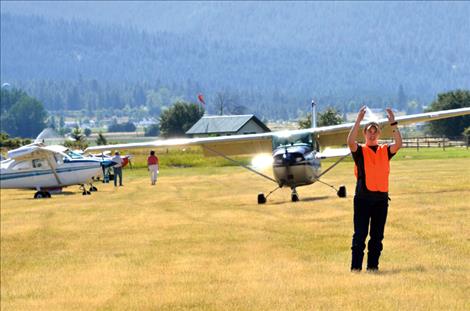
[(337, 134), (34, 151), (334, 135), (227, 145)]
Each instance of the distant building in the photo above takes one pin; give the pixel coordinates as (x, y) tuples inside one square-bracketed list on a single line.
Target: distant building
[(227, 125), (146, 122)]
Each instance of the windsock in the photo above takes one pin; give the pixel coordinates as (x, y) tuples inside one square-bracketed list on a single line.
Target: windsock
[(201, 99)]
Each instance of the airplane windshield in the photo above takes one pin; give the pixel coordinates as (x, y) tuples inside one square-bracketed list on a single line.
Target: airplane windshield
[(73, 155), (304, 139)]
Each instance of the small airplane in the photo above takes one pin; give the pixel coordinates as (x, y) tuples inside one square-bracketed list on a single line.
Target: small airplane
[(49, 169), (296, 154)]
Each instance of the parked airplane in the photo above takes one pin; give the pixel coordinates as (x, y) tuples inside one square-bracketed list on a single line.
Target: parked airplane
[(49, 168), (296, 154)]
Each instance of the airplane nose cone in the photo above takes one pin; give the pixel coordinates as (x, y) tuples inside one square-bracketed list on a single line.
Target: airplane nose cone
[(287, 159)]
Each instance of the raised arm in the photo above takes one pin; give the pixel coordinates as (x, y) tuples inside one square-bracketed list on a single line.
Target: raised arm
[(352, 144), (396, 145)]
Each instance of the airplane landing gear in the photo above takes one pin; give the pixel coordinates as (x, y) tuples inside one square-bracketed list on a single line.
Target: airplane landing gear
[(261, 198), (294, 195), (85, 192), (42, 195), (93, 188), (341, 191)]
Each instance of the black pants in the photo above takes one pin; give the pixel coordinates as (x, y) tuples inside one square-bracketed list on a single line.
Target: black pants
[(367, 209)]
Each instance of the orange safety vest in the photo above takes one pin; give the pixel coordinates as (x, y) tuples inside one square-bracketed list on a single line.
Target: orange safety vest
[(377, 168)]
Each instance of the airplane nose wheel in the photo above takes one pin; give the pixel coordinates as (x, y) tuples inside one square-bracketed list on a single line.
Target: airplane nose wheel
[(294, 196)]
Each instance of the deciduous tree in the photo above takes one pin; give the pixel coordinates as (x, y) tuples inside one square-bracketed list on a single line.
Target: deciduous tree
[(454, 126), (179, 118)]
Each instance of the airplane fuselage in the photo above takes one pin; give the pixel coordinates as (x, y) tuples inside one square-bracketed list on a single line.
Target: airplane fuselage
[(295, 166), (31, 174)]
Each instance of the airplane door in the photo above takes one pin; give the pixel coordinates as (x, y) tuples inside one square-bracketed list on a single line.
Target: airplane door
[(43, 174)]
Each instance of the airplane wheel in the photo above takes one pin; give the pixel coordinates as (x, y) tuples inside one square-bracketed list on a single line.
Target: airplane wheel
[(93, 189), (261, 198), (342, 191), (294, 197), (84, 193), (88, 192), (41, 195)]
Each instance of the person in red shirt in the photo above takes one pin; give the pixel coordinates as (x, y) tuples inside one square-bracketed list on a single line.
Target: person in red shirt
[(371, 198), (152, 164)]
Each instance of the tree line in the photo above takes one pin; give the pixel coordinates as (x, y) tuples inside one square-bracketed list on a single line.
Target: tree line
[(25, 116)]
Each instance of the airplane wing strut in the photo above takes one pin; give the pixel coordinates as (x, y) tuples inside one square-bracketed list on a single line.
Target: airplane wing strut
[(332, 166), (238, 163), (59, 183)]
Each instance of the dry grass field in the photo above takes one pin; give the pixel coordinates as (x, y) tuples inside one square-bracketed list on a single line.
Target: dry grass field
[(199, 241)]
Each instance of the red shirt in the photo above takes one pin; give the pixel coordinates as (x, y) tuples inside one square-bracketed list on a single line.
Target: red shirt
[(152, 160)]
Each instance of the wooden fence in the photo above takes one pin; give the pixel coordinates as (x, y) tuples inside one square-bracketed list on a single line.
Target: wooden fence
[(435, 142)]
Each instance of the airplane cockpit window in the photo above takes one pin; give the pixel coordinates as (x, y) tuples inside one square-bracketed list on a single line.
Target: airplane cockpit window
[(304, 139), (22, 165), (40, 163), (73, 155)]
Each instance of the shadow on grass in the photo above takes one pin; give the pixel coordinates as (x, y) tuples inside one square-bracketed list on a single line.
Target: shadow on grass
[(63, 193), (418, 268), (308, 199), (66, 193)]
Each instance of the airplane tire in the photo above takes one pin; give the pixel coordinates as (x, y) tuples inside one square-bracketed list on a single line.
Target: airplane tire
[(48, 194), (342, 191), (93, 189), (294, 198), (84, 193), (261, 198), (40, 195)]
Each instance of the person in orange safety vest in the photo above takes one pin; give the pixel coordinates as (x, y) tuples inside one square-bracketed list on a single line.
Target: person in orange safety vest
[(371, 197)]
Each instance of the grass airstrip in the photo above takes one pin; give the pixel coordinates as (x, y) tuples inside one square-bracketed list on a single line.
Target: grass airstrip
[(198, 240)]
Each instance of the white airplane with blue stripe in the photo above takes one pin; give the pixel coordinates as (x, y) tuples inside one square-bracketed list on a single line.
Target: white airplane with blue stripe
[(49, 169)]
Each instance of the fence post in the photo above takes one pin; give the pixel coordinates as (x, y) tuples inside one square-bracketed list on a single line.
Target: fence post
[(443, 143), (417, 143)]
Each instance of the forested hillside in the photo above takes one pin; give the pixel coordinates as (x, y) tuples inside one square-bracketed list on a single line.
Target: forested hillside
[(264, 58)]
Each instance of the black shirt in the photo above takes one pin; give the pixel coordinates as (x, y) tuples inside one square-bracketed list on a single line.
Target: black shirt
[(358, 157)]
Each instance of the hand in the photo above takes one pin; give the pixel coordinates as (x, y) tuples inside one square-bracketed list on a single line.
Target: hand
[(390, 115), (361, 114)]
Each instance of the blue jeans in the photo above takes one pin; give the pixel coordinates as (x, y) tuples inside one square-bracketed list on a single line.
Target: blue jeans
[(117, 172)]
